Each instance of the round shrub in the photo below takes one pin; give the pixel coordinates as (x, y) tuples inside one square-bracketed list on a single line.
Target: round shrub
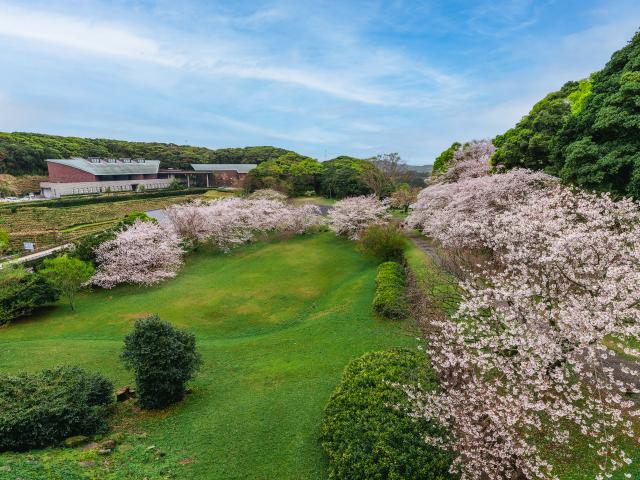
[(384, 242), (367, 432), (44, 408), (389, 300), (163, 359)]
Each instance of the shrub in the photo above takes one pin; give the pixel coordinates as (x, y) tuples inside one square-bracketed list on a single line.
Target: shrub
[(84, 248), (163, 359), (68, 274), (40, 409), (385, 242), (389, 300), (131, 218), (4, 240), (366, 437), (21, 292)]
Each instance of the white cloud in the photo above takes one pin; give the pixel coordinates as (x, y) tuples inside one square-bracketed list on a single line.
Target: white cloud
[(306, 135), (80, 34), (353, 79)]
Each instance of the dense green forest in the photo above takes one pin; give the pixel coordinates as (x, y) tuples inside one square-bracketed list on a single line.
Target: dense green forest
[(530, 142), (25, 153), (588, 132), (600, 146)]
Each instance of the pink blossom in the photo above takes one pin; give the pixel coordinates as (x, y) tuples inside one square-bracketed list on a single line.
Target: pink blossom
[(349, 217), (525, 356), (144, 253), (469, 161), (231, 222)]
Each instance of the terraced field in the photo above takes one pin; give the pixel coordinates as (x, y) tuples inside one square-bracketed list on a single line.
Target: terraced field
[(47, 227)]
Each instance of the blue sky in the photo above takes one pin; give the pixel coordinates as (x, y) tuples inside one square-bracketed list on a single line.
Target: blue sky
[(323, 78)]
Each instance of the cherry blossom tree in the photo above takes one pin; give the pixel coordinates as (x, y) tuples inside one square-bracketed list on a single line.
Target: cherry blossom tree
[(268, 194), (231, 222), (528, 353), (470, 160), (144, 253), (454, 214), (349, 217)]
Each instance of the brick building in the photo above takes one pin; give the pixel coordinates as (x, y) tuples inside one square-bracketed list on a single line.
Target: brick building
[(94, 175)]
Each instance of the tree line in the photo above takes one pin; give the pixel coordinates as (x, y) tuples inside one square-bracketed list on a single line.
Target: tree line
[(25, 153), (340, 177)]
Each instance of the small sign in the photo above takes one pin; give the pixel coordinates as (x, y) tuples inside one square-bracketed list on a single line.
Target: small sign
[(29, 246)]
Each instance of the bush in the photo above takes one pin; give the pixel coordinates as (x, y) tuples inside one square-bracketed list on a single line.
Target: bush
[(68, 274), (163, 359), (84, 248), (366, 438), (40, 409), (389, 300), (385, 242), (21, 292)]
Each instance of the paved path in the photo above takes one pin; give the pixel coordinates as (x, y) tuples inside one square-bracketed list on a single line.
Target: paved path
[(37, 255)]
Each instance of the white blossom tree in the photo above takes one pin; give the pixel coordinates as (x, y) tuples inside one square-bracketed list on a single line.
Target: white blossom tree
[(231, 222), (144, 253), (528, 353), (349, 217), (470, 160)]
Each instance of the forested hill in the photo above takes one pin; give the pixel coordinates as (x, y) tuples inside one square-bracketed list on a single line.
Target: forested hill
[(588, 133), (25, 153)]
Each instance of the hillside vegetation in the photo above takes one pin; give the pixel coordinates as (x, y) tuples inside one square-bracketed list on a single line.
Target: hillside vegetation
[(25, 153), (588, 132)]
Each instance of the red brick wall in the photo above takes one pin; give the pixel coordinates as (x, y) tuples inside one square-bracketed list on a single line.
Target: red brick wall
[(65, 174)]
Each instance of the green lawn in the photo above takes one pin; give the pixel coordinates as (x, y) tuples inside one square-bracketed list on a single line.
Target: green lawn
[(313, 200), (276, 323)]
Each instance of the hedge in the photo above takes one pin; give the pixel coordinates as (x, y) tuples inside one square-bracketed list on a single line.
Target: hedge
[(389, 300), (44, 408), (104, 198), (366, 438)]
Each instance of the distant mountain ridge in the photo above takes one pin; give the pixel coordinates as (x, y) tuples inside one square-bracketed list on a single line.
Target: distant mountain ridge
[(420, 168), (24, 153)]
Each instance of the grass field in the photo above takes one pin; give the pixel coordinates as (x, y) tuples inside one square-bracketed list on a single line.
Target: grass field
[(276, 323), (314, 200)]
